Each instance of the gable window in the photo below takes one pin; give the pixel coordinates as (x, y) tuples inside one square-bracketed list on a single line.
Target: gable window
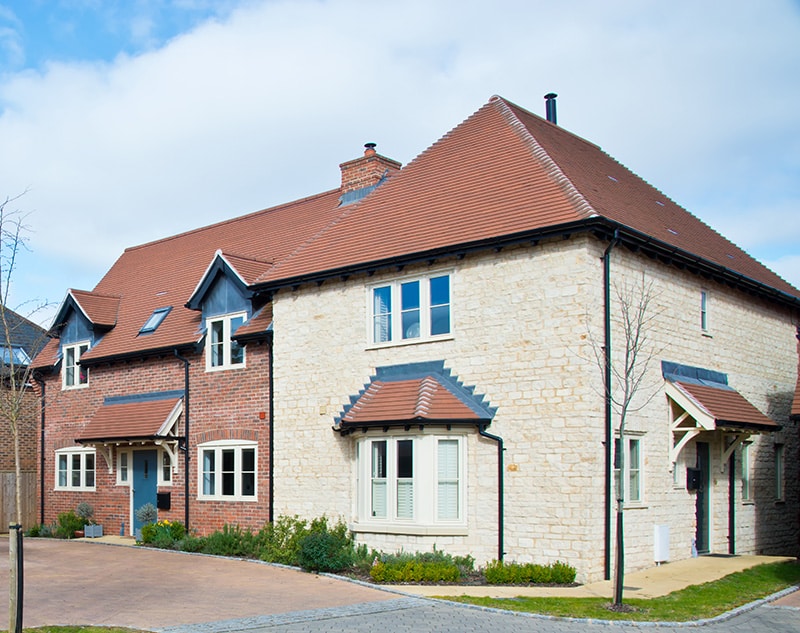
[(632, 469), (222, 352), (227, 470), (73, 375), (410, 310), (410, 481), (75, 469)]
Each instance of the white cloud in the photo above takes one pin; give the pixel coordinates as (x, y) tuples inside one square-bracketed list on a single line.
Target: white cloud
[(259, 106)]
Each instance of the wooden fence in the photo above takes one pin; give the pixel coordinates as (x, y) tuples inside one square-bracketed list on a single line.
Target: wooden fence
[(8, 501)]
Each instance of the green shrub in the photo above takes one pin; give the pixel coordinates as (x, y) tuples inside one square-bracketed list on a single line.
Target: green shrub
[(163, 534), (500, 573), (34, 531), (68, 524), (415, 571), (324, 550), (281, 540), (232, 540)]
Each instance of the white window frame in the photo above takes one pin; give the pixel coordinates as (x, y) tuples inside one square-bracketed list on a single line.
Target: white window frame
[(227, 343), (747, 473), (76, 350), (124, 467), (704, 323), (428, 480), (218, 448), (392, 318), (632, 473), (79, 468)]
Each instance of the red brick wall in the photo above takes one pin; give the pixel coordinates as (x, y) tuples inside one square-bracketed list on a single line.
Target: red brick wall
[(222, 404), (28, 425)]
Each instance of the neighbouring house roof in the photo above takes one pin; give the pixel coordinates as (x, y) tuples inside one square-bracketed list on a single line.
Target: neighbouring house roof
[(132, 420), (503, 176), (414, 394), (23, 335), (706, 396)]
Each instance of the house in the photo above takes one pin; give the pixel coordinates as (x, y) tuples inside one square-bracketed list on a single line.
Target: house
[(20, 341), (421, 353)]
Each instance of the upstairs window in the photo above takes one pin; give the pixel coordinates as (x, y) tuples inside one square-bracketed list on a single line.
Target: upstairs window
[(410, 310), (704, 311), (73, 375), (222, 352)]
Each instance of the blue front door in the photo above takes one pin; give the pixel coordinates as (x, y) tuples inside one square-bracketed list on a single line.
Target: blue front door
[(145, 484)]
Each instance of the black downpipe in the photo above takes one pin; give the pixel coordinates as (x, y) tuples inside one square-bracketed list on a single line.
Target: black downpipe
[(500, 506), (271, 450), (609, 434), (185, 447), (41, 451), (732, 503)]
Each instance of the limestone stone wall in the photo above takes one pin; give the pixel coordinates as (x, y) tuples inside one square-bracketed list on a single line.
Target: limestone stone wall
[(526, 325)]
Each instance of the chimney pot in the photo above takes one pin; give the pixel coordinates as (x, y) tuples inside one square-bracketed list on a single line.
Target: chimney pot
[(370, 149), (550, 107)]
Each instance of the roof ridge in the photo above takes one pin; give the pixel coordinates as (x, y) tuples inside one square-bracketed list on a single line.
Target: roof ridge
[(425, 396), (238, 218), (582, 205)]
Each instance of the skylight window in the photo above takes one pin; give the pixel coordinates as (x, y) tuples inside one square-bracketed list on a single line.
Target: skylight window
[(155, 320)]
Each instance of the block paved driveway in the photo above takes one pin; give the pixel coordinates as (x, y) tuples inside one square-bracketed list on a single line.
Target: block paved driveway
[(88, 583)]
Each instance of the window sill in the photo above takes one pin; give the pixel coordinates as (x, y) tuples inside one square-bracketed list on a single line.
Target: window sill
[(707, 334), (748, 502), (230, 499), (413, 530), (635, 506), (211, 370), (74, 387), (411, 341)]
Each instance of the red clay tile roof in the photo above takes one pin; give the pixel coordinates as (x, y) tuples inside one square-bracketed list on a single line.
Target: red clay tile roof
[(505, 172), (727, 406), (501, 175), (100, 309), (167, 272), (414, 400), (132, 420)]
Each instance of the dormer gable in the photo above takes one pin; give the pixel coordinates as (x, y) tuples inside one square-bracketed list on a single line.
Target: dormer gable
[(85, 316), (224, 287)]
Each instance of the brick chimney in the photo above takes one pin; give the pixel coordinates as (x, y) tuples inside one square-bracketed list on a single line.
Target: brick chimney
[(367, 170)]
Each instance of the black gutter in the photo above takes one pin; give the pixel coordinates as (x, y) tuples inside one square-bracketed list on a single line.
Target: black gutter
[(732, 504), (603, 228), (170, 350), (42, 384), (500, 500), (271, 449), (609, 436), (185, 447)]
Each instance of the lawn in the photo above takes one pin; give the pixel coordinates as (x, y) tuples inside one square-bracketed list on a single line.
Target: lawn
[(696, 602)]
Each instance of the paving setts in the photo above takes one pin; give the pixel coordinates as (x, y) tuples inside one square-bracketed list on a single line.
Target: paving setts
[(80, 582)]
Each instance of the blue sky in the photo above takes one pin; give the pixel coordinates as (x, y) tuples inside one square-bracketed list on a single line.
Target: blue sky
[(124, 122)]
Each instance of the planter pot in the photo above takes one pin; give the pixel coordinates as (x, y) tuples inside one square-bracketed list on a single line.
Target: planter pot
[(79, 534), (93, 531)]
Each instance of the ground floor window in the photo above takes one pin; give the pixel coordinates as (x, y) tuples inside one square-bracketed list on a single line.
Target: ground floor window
[(747, 486), (227, 470), (629, 464), (75, 469), (408, 479)]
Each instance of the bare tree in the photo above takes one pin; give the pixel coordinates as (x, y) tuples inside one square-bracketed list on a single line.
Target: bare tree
[(635, 315), (16, 396)]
